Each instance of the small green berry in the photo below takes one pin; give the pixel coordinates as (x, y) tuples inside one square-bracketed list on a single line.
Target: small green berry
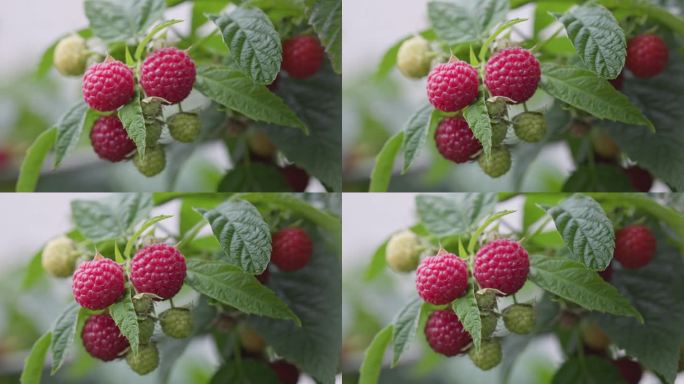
[(486, 299), (143, 305), (146, 361), (530, 126), (153, 163), (403, 251), (498, 163), (499, 131), (488, 356), (176, 322), (184, 127), (59, 257), (489, 321), (414, 57), (145, 329), (497, 108), (519, 318), (70, 55), (153, 128), (151, 108)]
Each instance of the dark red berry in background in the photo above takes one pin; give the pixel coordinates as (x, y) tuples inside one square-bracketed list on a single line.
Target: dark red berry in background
[(286, 372), (98, 283), (641, 179), (291, 249), (502, 264), (158, 269), (441, 279), (263, 276), (456, 141), (630, 370), (168, 73), (297, 178), (302, 56), (107, 86), (452, 86), (635, 246), (618, 82), (110, 140), (102, 338), (445, 333), (513, 73), (647, 56), (607, 274)]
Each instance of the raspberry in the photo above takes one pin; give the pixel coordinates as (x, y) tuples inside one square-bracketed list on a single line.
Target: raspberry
[(260, 145), (151, 108), (275, 84), (145, 329), (488, 356), (635, 246), (153, 163), (513, 73), (146, 361), (647, 55), (497, 108), (59, 257), (641, 179), (286, 372), (107, 86), (263, 276), (102, 338), (291, 249), (499, 132), (153, 127), (502, 264), (297, 178), (403, 251), (630, 370), (595, 338), (442, 279), (143, 305), (452, 86), (184, 127), (605, 147), (176, 322), (489, 321), (98, 284), (519, 318), (486, 299), (158, 269), (530, 126), (70, 56), (414, 57), (607, 274), (455, 140), (498, 163), (445, 333), (302, 56), (618, 82), (250, 340), (168, 73), (110, 140)]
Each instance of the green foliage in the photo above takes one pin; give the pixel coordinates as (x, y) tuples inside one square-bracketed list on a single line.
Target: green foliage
[(112, 218)]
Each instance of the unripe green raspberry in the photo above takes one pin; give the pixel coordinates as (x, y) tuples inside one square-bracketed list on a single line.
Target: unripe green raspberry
[(176, 322), (59, 257), (143, 305), (519, 318), (145, 329), (70, 56), (499, 131), (146, 361), (530, 126), (498, 163), (151, 107), (250, 340), (486, 299), (605, 146), (488, 356), (489, 321), (403, 251), (260, 144), (153, 163), (184, 127), (414, 57), (154, 130), (497, 108)]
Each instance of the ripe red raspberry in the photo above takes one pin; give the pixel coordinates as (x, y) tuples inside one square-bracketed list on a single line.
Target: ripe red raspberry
[(647, 55), (108, 85), (618, 82), (641, 179), (291, 249), (286, 372), (295, 177), (102, 338), (452, 86), (441, 279), (445, 333), (502, 264), (158, 269), (110, 140), (168, 73), (302, 56), (98, 283), (455, 140), (630, 370), (513, 73), (635, 246)]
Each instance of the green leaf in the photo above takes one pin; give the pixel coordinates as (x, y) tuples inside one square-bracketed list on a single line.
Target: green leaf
[(229, 285), (33, 365), (377, 264), (372, 359), (462, 21), (231, 88), (120, 20), (600, 178), (111, 218), (416, 133), (485, 47), (131, 240), (202, 8), (642, 8), (478, 119), (469, 314), (456, 214), (69, 128), (384, 163), (574, 282), (543, 13), (33, 161), (132, 118), (582, 89), (404, 328), (592, 370), (34, 271), (255, 177), (125, 318), (326, 19), (253, 42), (598, 39), (243, 234), (63, 332), (586, 230), (141, 47), (481, 228)]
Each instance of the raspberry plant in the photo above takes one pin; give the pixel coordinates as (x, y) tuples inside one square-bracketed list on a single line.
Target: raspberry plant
[(143, 292), (266, 68), (591, 75), (487, 288)]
